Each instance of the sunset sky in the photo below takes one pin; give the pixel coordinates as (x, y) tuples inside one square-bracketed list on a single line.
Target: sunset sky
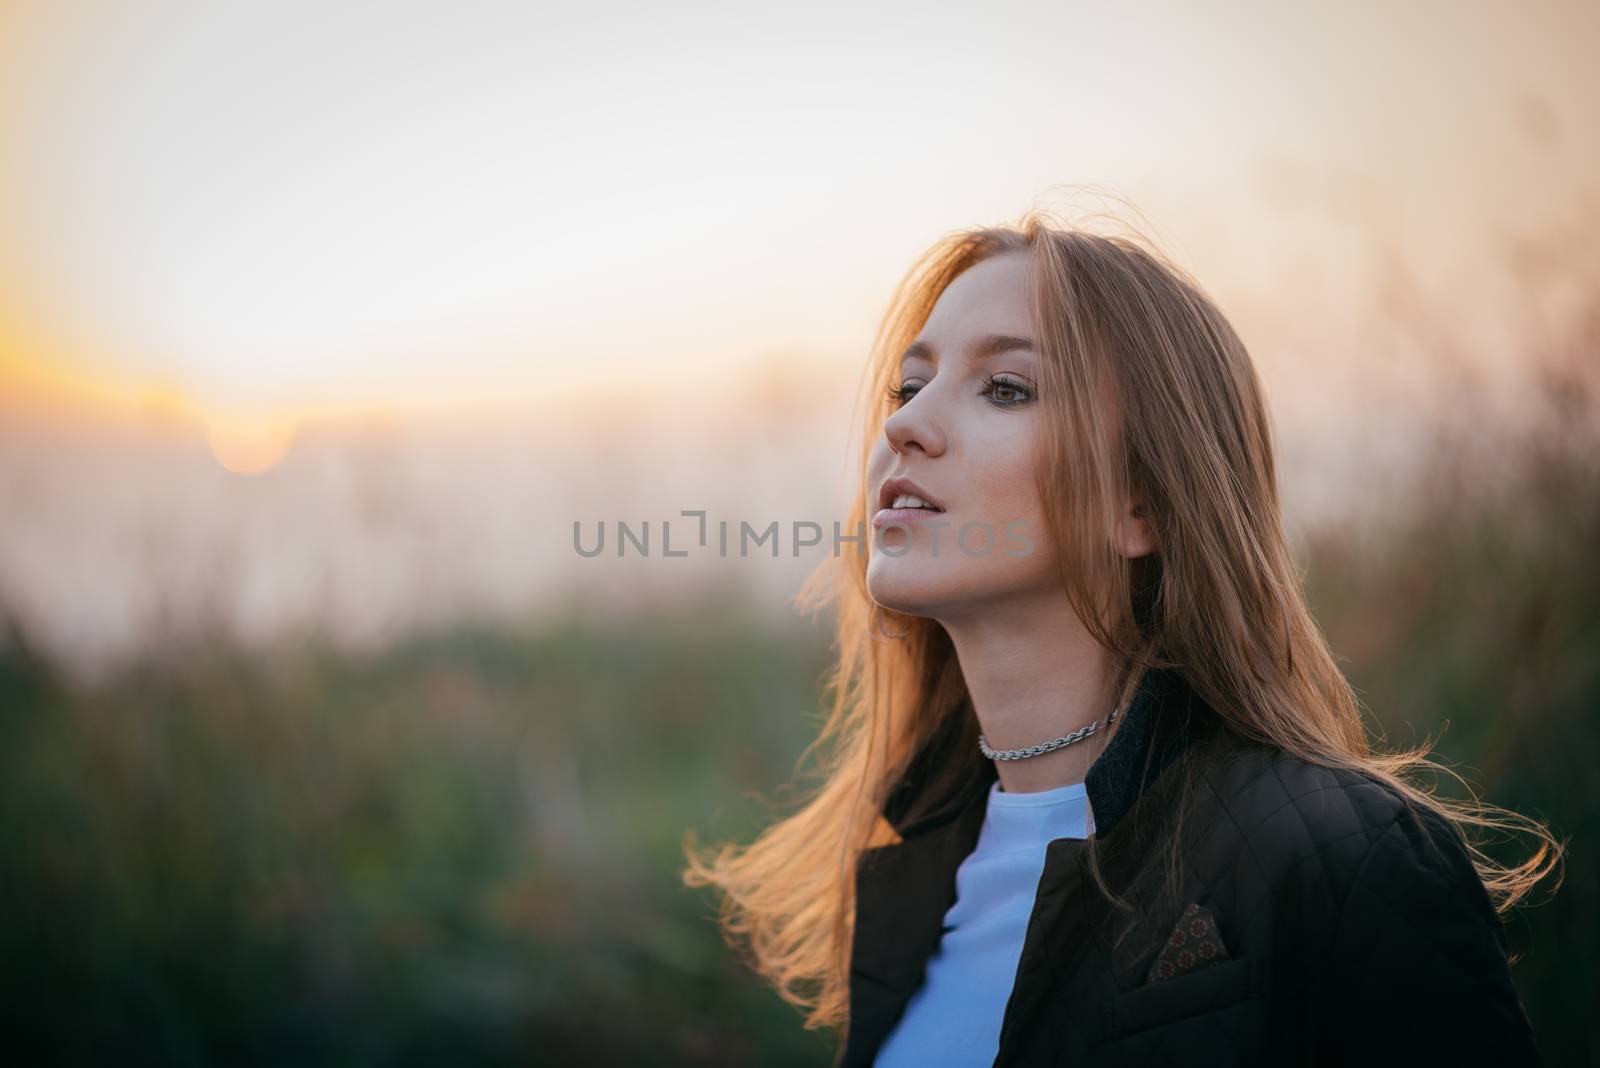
[(287, 207), (244, 220)]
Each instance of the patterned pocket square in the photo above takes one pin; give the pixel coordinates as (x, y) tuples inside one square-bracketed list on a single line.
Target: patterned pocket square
[(1193, 943)]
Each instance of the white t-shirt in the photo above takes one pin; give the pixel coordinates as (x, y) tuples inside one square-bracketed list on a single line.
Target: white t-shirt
[(954, 1017)]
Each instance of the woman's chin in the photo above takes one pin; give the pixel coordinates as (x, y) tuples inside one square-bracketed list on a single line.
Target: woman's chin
[(904, 586)]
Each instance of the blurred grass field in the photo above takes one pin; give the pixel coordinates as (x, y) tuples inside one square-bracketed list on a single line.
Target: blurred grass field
[(465, 850)]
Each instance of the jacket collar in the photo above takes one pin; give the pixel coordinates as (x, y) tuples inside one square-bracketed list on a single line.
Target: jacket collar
[(1160, 720)]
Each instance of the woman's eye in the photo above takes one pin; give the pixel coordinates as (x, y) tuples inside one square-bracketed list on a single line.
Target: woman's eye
[(902, 393), (1007, 392)]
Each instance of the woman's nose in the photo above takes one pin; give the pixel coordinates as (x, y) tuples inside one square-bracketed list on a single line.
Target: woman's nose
[(914, 425)]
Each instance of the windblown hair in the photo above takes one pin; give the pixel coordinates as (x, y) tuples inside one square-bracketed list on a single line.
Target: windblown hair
[(1186, 434)]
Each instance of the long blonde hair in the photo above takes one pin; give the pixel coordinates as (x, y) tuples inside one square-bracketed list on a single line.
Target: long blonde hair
[(1220, 601)]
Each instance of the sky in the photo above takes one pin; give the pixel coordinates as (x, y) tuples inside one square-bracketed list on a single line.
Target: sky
[(237, 233), (290, 207)]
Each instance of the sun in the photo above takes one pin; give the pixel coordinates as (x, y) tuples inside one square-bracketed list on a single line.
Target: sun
[(249, 445)]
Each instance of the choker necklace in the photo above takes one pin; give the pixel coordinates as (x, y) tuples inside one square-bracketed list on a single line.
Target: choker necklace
[(1034, 750)]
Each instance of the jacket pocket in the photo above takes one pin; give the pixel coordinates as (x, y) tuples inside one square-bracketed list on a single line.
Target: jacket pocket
[(1206, 989)]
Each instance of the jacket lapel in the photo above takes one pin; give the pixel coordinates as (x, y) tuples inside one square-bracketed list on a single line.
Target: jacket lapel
[(904, 889), (902, 893)]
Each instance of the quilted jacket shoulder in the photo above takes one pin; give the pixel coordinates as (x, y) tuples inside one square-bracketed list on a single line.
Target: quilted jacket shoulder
[(1276, 821), (1366, 911)]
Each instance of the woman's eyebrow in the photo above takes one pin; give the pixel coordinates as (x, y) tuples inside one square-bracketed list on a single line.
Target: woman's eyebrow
[(982, 348)]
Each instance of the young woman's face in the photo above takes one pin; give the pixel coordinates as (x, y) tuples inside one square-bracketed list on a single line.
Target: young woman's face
[(964, 431)]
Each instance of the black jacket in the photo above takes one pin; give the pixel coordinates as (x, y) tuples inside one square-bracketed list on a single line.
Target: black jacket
[(1321, 921)]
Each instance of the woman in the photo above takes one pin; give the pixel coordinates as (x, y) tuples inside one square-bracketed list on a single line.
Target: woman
[(1099, 794)]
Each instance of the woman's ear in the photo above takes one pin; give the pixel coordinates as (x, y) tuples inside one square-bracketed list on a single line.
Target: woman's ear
[(1135, 536)]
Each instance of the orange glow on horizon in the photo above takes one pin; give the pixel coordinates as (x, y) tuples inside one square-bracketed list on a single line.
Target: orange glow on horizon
[(49, 380)]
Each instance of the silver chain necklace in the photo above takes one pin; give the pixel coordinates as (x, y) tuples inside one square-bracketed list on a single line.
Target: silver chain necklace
[(1034, 750)]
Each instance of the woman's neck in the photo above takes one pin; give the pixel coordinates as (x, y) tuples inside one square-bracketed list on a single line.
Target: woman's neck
[(1034, 674)]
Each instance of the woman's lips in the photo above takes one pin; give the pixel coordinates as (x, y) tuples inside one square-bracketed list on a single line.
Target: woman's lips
[(885, 516)]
